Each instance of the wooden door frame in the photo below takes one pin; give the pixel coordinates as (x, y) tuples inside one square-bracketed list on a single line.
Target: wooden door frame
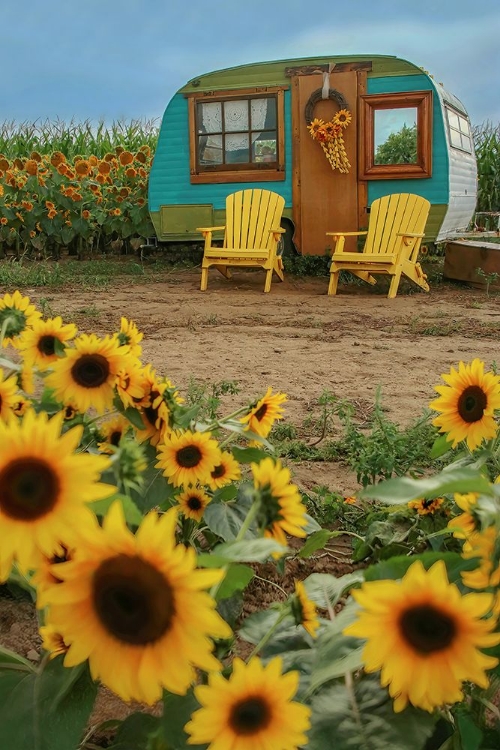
[(361, 69)]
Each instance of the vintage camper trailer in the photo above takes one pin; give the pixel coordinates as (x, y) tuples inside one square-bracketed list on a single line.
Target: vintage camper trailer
[(390, 127)]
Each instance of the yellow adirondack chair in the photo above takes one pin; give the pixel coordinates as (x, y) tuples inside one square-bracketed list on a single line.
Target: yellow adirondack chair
[(251, 236), (395, 231)]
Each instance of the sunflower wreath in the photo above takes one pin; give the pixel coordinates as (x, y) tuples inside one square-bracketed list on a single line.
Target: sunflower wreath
[(330, 134)]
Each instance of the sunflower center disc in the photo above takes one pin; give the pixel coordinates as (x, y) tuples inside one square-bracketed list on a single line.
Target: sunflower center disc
[(261, 413), (472, 403), (29, 489), (47, 345), (189, 457), (115, 437), (90, 370), (133, 600), (249, 716), (194, 503), (218, 472), (427, 629)]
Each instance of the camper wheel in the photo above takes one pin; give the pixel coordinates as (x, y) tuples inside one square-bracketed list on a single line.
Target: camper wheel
[(286, 247)]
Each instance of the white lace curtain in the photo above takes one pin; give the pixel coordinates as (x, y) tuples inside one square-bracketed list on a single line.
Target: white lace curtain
[(235, 120)]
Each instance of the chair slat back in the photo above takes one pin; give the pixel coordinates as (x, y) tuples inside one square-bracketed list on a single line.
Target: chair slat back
[(393, 214), (250, 214)]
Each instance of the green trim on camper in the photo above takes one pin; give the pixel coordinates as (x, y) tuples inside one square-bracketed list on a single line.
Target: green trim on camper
[(273, 73)]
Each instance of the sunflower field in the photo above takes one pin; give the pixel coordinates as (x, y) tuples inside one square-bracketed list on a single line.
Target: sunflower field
[(136, 523), (71, 188)]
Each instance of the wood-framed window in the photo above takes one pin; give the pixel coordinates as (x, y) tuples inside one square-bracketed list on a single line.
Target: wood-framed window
[(397, 136), (458, 129), (237, 136)]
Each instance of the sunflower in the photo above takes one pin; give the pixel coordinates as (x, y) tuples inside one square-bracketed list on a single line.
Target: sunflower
[(464, 524), (111, 432), (467, 404), (126, 158), (8, 396), (188, 458), (151, 403), (264, 413), (281, 509), (104, 167), (343, 117), (87, 374), (31, 166), (227, 471), (134, 606), (304, 610), (315, 126), (16, 314), (482, 544), (131, 385), (57, 158), (131, 336), (131, 172), (52, 641), (252, 709), (82, 168), (192, 503), (425, 507), (45, 340), (424, 636), (44, 488)]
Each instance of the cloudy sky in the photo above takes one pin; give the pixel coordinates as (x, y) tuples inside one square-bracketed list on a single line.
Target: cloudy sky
[(113, 59)]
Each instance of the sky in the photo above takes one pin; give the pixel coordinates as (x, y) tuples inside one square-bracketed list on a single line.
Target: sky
[(124, 59)]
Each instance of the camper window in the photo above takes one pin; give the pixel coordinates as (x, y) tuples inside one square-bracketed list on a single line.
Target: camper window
[(236, 136), (458, 130), (397, 136)]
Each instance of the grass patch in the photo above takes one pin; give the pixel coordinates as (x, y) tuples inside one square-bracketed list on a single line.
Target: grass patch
[(89, 274)]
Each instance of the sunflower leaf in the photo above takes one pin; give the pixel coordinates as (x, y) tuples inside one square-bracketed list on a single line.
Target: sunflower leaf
[(30, 718), (134, 417), (249, 455), (135, 732), (362, 716), (396, 567), (133, 516), (441, 447), (403, 489), (237, 578), (225, 519), (249, 550), (325, 590)]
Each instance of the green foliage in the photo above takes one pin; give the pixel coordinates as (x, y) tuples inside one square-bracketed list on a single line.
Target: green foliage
[(387, 449), (208, 396), (487, 147), (43, 708), (75, 138), (399, 148)]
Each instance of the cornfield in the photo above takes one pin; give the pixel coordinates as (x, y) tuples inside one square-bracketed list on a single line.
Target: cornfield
[(77, 188), (487, 145)]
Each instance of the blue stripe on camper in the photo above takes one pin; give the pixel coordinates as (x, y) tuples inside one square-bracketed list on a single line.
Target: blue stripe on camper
[(436, 188), (169, 182)]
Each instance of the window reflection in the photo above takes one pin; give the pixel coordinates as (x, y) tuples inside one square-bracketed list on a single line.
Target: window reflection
[(395, 136)]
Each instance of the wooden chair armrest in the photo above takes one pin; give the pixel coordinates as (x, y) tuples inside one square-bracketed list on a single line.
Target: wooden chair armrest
[(209, 229), (278, 231), (409, 234), (344, 234)]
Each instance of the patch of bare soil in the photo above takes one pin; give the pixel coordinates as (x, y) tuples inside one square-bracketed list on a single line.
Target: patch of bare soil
[(297, 340)]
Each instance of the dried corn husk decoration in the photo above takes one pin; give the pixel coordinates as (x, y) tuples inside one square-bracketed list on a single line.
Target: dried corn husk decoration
[(330, 137)]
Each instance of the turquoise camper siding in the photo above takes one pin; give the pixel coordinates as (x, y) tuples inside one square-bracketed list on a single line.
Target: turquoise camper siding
[(169, 182)]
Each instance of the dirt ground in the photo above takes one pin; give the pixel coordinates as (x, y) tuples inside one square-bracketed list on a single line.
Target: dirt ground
[(295, 339)]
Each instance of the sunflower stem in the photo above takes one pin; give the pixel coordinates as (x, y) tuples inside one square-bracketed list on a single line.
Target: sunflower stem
[(267, 636), (220, 422)]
